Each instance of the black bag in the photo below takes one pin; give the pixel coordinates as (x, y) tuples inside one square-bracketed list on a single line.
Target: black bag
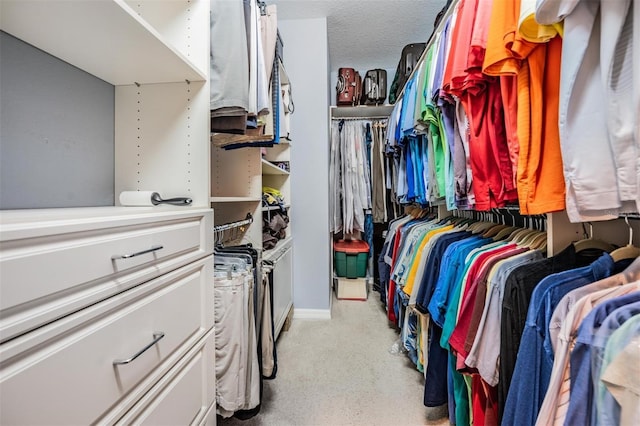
[(374, 87), (410, 55)]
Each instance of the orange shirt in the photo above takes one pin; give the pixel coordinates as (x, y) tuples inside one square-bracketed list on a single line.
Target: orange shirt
[(500, 60), (547, 187), (530, 69)]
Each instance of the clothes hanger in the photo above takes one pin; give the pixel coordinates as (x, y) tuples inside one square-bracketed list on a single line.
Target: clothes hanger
[(535, 239), (520, 236), (528, 238), (540, 242), (505, 232), (474, 221), (485, 227), (629, 251), (591, 243)]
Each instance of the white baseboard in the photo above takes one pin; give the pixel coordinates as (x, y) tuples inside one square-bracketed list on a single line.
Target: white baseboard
[(319, 314)]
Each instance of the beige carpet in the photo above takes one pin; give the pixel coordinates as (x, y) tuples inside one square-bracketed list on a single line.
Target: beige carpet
[(341, 372)]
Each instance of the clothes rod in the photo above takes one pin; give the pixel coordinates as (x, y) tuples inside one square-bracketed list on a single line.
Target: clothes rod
[(379, 117), (226, 226)]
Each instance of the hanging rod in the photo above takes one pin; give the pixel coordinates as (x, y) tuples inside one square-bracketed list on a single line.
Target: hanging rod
[(379, 117), (226, 226), (634, 216)]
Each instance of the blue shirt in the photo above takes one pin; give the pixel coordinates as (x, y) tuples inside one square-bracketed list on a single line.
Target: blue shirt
[(410, 176), (408, 107), (581, 396), (450, 273), (424, 150), (416, 156), (392, 124), (534, 363), (432, 269)]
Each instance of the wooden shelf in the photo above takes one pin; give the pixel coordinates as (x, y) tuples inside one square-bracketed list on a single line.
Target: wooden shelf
[(234, 199), (104, 38), (223, 139), (271, 169), (361, 111)]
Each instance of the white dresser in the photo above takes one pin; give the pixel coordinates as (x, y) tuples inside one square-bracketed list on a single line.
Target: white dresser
[(106, 313), (106, 316)]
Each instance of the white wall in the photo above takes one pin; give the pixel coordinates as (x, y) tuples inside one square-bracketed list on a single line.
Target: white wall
[(306, 61)]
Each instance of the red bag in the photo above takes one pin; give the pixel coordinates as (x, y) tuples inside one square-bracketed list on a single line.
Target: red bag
[(349, 87)]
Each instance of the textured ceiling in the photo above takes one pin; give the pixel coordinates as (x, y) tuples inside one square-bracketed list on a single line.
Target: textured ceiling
[(366, 34)]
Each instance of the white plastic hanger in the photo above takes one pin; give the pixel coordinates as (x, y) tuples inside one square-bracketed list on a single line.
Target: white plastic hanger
[(629, 251)]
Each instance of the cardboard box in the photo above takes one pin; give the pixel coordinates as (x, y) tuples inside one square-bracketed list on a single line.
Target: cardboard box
[(351, 288)]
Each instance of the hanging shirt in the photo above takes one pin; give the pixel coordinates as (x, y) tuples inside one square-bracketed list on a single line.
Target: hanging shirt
[(451, 272), (622, 381), (432, 268), (530, 29), (533, 366), (608, 410), (597, 112), (478, 337), (411, 276), (582, 387), (556, 400), (518, 289), (417, 271)]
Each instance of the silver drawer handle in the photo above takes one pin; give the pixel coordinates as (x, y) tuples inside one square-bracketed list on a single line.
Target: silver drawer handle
[(156, 338), (128, 256)]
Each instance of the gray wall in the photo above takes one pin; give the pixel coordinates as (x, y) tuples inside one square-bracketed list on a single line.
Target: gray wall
[(306, 62), (56, 132)]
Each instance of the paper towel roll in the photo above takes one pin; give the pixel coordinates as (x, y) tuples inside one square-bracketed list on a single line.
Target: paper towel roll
[(137, 198)]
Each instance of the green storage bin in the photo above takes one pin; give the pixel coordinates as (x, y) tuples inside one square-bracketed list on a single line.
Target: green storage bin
[(350, 258)]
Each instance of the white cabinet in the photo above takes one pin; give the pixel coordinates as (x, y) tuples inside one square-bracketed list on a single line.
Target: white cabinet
[(81, 288), (90, 350), (182, 395), (57, 265), (282, 260)]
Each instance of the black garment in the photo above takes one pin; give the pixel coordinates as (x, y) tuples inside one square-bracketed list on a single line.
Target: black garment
[(435, 384), (384, 274), (378, 243), (517, 295)]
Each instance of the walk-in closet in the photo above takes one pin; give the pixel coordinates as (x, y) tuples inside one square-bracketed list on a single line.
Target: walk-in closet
[(319, 213)]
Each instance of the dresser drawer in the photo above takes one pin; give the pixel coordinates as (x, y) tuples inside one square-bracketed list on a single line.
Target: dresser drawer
[(44, 278), (69, 369), (184, 395)]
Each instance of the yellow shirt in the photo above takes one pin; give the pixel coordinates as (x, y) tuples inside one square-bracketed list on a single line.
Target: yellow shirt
[(408, 288)]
